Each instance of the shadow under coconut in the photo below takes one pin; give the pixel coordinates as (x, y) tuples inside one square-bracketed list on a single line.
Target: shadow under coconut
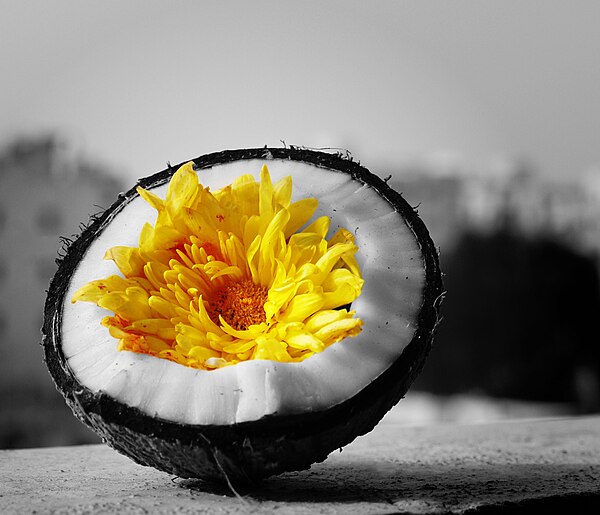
[(422, 484)]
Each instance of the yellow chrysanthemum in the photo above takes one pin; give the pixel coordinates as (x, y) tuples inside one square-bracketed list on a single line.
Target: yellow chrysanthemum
[(228, 276)]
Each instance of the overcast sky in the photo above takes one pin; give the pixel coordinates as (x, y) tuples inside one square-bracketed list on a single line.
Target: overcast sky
[(139, 83)]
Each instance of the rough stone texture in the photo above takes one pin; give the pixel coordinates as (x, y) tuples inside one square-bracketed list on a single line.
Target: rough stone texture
[(443, 468)]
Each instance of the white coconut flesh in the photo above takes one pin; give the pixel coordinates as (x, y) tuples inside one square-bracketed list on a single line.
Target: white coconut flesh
[(394, 276)]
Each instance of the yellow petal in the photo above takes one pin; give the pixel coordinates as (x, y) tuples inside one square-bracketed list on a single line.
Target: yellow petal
[(95, 290), (189, 336), (131, 304), (323, 318), (182, 189), (344, 295), (245, 193), (265, 205), (320, 226), (274, 230), (272, 243), (251, 254), (202, 353), (127, 259), (339, 330), (305, 340), (155, 272), (166, 237), (240, 346), (341, 276), (162, 307), (302, 306), (341, 236), (232, 272), (147, 344), (306, 271), (331, 257), (271, 349), (279, 297), (146, 237), (351, 264), (199, 318), (251, 230), (248, 334), (300, 213), (113, 302), (198, 225), (151, 325), (155, 201), (282, 191)]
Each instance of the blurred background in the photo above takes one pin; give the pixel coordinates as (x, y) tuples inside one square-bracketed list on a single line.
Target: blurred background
[(485, 114)]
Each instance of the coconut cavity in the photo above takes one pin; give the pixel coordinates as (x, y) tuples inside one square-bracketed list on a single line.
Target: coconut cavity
[(393, 271), (255, 418)]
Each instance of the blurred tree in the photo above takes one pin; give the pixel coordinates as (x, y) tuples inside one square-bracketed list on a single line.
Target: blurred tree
[(519, 321)]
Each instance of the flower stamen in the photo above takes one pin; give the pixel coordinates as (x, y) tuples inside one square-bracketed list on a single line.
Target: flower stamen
[(240, 303)]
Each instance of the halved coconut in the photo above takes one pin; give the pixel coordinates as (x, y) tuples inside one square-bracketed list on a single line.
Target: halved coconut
[(256, 418)]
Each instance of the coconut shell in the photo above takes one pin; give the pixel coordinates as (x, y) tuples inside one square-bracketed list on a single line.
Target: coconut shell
[(249, 451)]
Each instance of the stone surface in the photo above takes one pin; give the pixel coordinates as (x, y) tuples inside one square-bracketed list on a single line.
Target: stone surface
[(441, 468)]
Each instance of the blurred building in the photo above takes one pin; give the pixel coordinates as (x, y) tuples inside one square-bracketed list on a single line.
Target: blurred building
[(521, 258), (459, 201), (46, 194)]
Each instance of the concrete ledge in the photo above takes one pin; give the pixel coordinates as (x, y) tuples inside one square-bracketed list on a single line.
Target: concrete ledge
[(443, 468)]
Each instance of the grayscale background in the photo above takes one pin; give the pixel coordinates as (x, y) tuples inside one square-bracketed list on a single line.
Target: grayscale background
[(485, 113)]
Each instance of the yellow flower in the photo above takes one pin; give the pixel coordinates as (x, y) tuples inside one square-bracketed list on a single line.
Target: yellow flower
[(230, 275)]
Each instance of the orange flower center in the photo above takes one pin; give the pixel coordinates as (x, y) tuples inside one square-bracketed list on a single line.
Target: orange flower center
[(240, 303)]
